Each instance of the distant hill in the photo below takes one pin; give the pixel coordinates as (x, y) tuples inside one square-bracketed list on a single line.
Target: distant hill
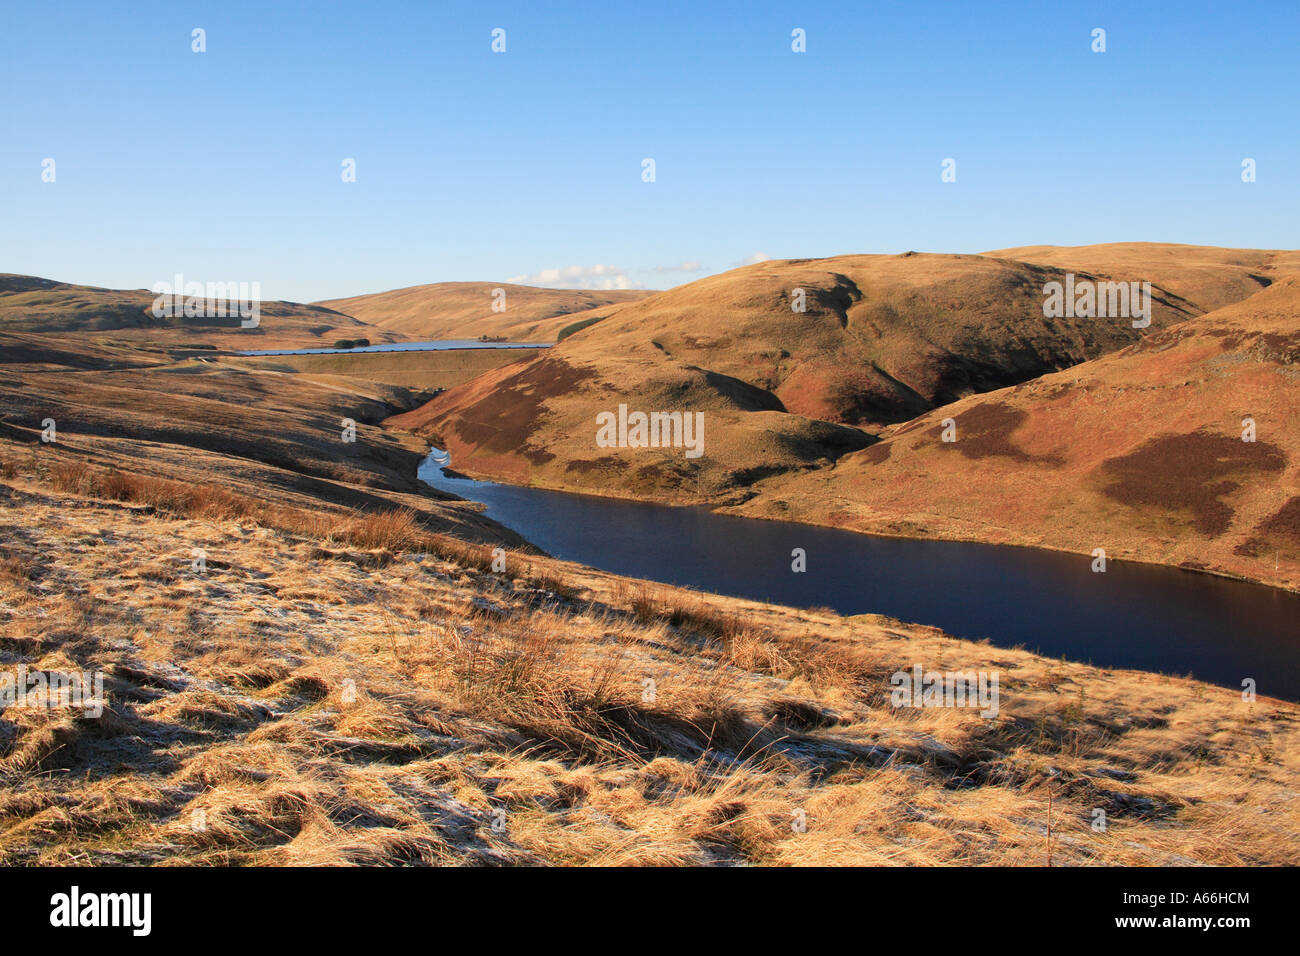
[(881, 340), (31, 304), (1209, 276), (463, 310), (882, 337)]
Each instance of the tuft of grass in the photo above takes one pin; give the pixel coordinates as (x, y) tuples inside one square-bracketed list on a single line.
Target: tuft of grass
[(394, 529), (188, 500), (397, 530)]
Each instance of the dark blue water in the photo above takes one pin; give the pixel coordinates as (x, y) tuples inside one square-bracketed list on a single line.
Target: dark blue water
[(442, 345), (1134, 615)]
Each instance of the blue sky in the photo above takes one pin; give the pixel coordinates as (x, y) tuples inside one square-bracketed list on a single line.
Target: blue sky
[(526, 165)]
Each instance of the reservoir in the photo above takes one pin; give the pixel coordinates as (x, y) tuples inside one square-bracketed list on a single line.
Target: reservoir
[(1146, 617)]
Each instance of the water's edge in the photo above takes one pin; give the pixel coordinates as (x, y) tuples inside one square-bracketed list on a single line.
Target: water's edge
[(896, 536), (1137, 615)]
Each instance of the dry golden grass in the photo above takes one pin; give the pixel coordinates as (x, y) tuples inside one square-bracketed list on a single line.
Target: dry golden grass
[(464, 310), (203, 437), (384, 531), (1210, 276), (338, 694), (410, 370)]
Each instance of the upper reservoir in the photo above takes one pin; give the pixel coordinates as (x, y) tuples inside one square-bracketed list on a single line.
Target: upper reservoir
[(1146, 617)]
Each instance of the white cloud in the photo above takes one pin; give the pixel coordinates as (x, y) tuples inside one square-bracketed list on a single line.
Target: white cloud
[(579, 277), (756, 257)]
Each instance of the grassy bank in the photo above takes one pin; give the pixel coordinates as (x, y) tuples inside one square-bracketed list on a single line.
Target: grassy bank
[(361, 691)]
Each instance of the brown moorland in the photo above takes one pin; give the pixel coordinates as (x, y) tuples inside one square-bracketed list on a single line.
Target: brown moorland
[(415, 370), (1210, 276), (883, 340), (125, 317), (1140, 453), (464, 310), (268, 436)]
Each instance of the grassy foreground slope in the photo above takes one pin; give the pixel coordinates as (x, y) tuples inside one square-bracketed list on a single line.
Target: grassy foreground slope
[(882, 339), (464, 310), (315, 697), (1140, 452)]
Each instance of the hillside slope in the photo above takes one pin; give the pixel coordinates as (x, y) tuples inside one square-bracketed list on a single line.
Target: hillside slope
[(1140, 453), (1210, 276), (32, 304), (882, 339), (124, 415), (463, 310)]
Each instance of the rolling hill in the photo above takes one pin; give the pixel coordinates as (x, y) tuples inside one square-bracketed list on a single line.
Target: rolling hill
[(1141, 453), (1210, 276), (32, 304), (881, 340), (463, 310)]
